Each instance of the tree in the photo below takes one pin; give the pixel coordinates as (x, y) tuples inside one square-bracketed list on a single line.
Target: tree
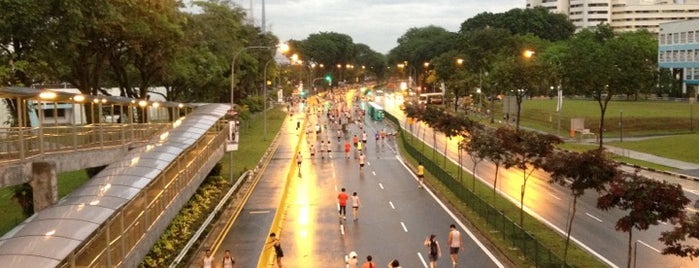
[(592, 68), (676, 240), (647, 201), (492, 150), (580, 172), (476, 147), (537, 21), (527, 151)]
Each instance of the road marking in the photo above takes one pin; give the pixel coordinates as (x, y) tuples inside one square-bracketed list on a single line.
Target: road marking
[(649, 246), (554, 196), (342, 228), (404, 229), (391, 203), (381, 185), (259, 212), (419, 255), (335, 188), (590, 215), (368, 163), (374, 173)]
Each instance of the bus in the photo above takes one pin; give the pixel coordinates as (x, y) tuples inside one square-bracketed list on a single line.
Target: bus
[(431, 98), (375, 111)]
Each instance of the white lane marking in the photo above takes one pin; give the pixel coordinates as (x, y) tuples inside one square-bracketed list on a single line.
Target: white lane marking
[(554, 196), (374, 173), (335, 188), (649, 246), (404, 228), (342, 229), (419, 255), (368, 163), (590, 215), (381, 185), (391, 203)]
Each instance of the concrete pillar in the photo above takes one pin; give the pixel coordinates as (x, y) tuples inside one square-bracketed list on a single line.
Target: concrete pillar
[(45, 184)]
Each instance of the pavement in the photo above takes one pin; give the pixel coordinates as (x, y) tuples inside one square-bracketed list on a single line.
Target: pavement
[(685, 170)]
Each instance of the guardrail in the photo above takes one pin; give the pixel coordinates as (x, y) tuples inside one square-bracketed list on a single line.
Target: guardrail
[(23, 143)]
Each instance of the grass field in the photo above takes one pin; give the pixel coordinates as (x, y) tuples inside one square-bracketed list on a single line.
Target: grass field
[(665, 126), (638, 118)]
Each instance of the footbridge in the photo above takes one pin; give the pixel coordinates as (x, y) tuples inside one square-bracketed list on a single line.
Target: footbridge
[(156, 155)]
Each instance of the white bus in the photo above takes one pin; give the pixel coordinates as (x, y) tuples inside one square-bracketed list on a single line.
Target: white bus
[(431, 98)]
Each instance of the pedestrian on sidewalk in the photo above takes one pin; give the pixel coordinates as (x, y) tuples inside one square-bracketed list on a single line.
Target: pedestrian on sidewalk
[(434, 251), (342, 202), (277, 248), (455, 244), (228, 261), (420, 174), (355, 206)]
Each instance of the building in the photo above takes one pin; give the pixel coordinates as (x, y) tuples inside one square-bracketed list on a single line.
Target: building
[(678, 49), (622, 15)]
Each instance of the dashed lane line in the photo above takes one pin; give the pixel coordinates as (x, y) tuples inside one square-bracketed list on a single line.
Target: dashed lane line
[(591, 216)]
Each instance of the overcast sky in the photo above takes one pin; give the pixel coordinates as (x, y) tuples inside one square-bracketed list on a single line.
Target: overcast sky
[(376, 23)]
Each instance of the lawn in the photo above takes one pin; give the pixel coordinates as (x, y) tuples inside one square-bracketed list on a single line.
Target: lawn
[(667, 123), (638, 118)]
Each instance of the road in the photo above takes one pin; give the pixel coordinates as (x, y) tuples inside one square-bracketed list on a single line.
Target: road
[(593, 229), (394, 218)]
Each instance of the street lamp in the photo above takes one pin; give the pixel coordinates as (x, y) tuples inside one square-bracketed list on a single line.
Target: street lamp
[(264, 89), (283, 47)]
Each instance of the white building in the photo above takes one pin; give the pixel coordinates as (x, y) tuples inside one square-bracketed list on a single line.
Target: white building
[(622, 15)]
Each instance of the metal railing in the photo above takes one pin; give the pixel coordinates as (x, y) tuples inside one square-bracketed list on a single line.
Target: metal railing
[(23, 143)]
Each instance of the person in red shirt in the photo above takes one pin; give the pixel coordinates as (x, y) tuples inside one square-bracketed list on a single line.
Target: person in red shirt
[(347, 149), (342, 201)]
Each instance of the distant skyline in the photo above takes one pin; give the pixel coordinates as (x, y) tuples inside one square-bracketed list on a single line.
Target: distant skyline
[(376, 23)]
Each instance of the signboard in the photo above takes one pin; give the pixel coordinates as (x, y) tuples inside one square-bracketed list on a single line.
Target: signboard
[(232, 139)]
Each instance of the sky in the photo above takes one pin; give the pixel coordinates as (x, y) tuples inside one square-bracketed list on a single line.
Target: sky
[(376, 23)]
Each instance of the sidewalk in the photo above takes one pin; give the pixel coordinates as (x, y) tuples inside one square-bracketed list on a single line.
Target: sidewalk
[(685, 170)]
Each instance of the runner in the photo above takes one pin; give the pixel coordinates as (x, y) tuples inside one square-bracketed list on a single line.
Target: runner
[(347, 149), (420, 174), (364, 137), (362, 158), (355, 140), (322, 149), (228, 261), (369, 263), (455, 243), (355, 205), (434, 251), (277, 248), (342, 202), (383, 134), (313, 151)]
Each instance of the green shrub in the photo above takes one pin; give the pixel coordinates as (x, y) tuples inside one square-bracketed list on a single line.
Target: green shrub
[(185, 223)]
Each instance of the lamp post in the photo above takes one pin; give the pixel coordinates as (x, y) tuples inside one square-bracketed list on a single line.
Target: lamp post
[(235, 56), (264, 89)]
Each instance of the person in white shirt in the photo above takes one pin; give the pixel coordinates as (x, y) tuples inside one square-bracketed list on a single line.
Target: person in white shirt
[(455, 244), (355, 205)]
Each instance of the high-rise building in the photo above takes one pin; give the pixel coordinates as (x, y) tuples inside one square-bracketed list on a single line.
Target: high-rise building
[(678, 50), (622, 15)]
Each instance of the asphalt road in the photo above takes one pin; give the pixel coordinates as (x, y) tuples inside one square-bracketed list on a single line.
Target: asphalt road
[(394, 218), (593, 229)]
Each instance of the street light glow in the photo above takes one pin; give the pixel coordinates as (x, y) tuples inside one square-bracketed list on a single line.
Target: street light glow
[(528, 53)]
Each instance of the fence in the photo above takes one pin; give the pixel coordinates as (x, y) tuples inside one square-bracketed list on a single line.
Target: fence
[(508, 230)]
